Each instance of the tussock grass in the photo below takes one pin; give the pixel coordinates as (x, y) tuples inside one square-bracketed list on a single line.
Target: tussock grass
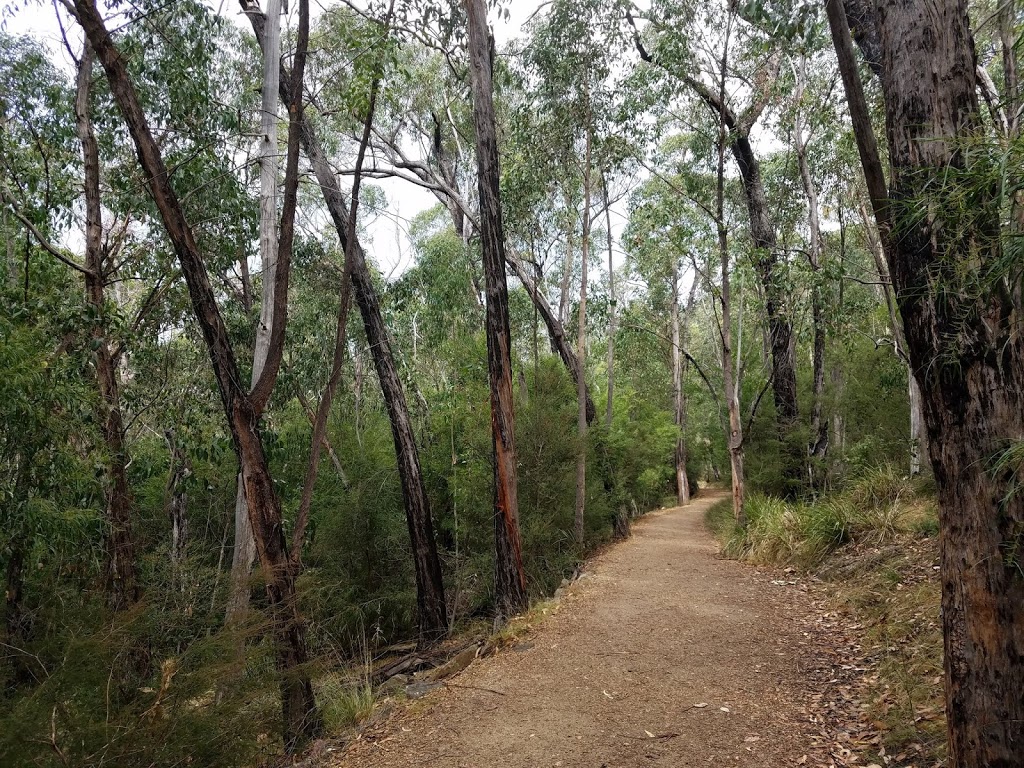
[(345, 702), (877, 507)]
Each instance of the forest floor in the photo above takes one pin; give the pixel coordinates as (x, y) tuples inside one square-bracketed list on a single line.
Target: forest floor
[(663, 654)]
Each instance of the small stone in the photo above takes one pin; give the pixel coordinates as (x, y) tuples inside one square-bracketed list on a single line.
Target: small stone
[(394, 685), (418, 690)]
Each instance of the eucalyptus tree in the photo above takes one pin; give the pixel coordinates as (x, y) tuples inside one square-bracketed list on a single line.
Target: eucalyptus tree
[(432, 611), (424, 137), (688, 60), (244, 552), (509, 578), (99, 265), (572, 87), (943, 222), (662, 239), (242, 407), (730, 384)]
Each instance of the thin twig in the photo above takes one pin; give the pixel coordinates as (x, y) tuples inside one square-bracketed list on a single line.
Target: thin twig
[(473, 688)]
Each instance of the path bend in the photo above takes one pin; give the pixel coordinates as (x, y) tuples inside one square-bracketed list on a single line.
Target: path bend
[(617, 677)]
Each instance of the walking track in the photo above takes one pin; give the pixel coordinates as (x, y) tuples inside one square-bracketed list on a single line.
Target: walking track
[(663, 655)]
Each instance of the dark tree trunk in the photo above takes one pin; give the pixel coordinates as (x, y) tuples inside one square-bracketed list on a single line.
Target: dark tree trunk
[(509, 577), (430, 599), (780, 329), (961, 322), (556, 332), (242, 409), (120, 569)]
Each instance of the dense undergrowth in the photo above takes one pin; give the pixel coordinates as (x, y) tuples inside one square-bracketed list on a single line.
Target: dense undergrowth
[(874, 545)]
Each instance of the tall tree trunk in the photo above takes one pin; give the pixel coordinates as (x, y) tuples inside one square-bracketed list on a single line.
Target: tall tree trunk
[(819, 425), (242, 409), (430, 600), (682, 486), (729, 385), (323, 409), (581, 354), (244, 552), (121, 579), (563, 296), (780, 329), (961, 318), (730, 388), (447, 192), (612, 309), (680, 326), (509, 577), (918, 437)]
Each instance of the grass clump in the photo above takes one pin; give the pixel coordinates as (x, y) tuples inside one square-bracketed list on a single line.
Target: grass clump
[(345, 702), (881, 504)]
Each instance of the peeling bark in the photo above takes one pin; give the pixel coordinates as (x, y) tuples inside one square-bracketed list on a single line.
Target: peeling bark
[(431, 608), (961, 322), (509, 577), (242, 409)]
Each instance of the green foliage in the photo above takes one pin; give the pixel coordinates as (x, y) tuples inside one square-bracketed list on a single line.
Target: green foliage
[(166, 683), (875, 508)]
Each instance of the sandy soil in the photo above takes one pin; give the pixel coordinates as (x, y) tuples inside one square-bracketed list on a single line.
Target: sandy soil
[(662, 655)]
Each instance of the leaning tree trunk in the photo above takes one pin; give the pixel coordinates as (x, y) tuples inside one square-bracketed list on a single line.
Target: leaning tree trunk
[(940, 224), (556, 331), (242, 408), (430, 599), (121, 579), (509, 577)]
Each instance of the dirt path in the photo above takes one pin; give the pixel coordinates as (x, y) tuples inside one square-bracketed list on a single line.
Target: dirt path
[(663, 655)]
